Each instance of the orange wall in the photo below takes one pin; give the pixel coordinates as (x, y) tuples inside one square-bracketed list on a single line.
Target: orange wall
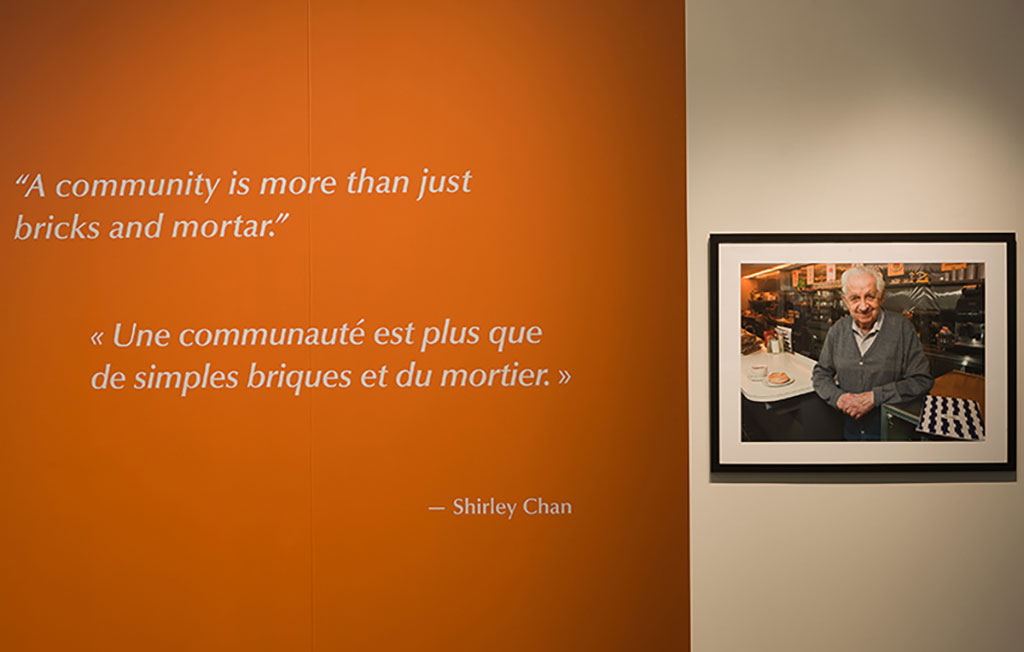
[(245, 519)]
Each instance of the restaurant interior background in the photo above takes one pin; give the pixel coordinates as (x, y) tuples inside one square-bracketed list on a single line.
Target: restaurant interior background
[(788, 309), (876, 116)]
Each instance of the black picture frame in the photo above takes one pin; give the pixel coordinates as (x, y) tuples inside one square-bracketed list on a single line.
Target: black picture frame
[(730, 452)]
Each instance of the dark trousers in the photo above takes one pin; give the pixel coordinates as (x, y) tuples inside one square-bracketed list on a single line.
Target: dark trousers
[(867, 428)]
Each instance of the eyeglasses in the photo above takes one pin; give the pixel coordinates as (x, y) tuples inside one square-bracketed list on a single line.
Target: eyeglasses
[(870, 297)]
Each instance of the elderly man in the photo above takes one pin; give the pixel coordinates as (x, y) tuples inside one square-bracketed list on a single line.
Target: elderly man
[(869, 357)]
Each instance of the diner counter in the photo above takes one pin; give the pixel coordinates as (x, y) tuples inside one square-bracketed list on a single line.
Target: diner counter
[(796, 366), (899, 420)]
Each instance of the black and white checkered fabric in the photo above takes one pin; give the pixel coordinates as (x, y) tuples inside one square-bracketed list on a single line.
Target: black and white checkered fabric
[(956, 418)]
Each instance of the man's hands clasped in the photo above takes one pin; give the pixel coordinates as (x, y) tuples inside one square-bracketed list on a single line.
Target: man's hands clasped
[(856, 405)]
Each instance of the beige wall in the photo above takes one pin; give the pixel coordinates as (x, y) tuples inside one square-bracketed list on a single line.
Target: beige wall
[(875, 115)]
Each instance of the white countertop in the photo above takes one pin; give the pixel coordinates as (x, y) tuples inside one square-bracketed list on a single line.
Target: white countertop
[(797, 366)]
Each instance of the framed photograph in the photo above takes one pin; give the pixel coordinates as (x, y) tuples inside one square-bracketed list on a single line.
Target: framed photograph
[(863, 352)]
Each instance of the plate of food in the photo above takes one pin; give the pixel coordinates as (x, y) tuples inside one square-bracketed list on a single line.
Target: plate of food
[(778, 379)]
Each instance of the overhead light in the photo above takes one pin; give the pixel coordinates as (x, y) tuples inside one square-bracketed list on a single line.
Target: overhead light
[(767, 271)]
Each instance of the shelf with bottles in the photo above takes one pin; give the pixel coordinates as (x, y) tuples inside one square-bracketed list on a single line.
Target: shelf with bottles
[(835, 287), (947, 283)]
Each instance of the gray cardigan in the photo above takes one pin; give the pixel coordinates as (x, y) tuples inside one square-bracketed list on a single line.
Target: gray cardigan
[(894, 368)]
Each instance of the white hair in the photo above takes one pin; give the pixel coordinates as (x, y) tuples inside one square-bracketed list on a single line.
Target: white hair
[(860, 270)]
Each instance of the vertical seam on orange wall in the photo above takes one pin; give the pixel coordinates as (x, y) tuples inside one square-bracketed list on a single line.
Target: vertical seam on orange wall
[(309, 308), (688, 559)]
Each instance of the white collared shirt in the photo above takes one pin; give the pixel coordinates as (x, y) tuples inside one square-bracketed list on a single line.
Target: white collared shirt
[(864, 341)]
